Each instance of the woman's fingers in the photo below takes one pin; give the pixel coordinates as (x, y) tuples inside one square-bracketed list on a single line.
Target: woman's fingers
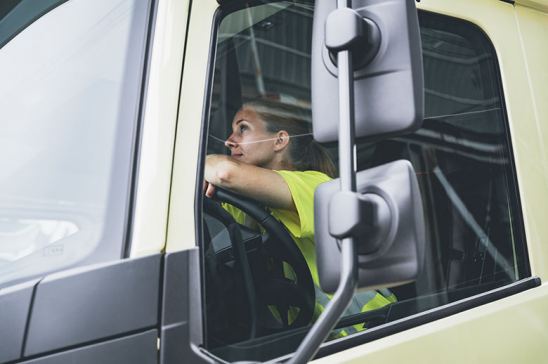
[(210, 190)]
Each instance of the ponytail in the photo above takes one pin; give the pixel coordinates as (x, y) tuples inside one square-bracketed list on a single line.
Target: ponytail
[(315, 157)]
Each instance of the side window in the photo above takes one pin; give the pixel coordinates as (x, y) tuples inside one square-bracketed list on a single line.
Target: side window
[(262, 290), (463, 159), (69, 101)]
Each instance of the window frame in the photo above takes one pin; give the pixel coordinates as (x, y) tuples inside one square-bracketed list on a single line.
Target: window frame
[(328, 348)]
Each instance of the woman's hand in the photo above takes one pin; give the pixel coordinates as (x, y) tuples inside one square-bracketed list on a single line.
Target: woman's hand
[(216, 172), (208, 189), (210, 172), (217, 169)]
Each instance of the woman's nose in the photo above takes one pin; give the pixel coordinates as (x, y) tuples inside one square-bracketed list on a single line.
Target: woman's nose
[(230, 143)]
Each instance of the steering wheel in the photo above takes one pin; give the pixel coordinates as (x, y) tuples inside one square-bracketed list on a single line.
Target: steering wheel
[(267, 290)]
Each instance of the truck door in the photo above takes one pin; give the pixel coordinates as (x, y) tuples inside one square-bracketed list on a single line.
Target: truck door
[(478, 270)]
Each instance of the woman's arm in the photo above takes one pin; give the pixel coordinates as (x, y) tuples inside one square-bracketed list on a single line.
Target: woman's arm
[(261, 184)]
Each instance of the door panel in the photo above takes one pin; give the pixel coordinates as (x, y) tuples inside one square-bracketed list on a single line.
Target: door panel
[(84, 306), (14, 309), (75, 307), (511, 330), (134, 349), (181, 330)]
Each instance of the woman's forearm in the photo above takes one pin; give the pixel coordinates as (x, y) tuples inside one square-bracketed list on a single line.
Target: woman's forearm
[(261, 184), (220, 170)]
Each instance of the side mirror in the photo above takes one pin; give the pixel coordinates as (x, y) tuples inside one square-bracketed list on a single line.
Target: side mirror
[(390, 240), (385, 99), (367, 82), (388, 79)]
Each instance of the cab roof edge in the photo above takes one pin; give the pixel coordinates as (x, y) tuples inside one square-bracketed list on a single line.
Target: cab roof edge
[(221, 2)]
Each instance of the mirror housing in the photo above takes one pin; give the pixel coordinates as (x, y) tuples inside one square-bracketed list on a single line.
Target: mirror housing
[(388, 73), (374, 91), (390, 240)]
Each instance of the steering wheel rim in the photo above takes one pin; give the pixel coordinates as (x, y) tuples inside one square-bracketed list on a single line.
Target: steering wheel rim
[(281, 245)]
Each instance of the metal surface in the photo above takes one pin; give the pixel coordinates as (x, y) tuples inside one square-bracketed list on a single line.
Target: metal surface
[(158, 128), (97, 302), (181, 323), (134, 349), (181, 232), (15, 303)]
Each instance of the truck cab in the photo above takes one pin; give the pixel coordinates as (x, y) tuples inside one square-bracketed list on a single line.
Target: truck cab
[(110, 253)]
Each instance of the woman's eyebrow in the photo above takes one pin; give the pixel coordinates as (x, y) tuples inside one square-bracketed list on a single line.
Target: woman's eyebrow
[(239, 121), (235, 123)]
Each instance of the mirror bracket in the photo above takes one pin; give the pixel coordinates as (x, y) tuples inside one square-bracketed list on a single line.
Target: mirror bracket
[(365, 217), (346, 30), (347, 214)]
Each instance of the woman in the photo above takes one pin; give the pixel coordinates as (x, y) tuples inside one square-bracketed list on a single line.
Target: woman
[(275, 161)]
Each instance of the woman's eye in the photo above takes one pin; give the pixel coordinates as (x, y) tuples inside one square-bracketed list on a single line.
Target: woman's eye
[(243, 128)]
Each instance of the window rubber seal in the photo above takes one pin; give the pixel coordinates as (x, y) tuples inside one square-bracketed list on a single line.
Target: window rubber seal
[(199, 196)]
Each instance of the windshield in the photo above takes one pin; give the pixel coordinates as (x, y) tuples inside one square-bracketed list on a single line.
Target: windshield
[(68, 104)]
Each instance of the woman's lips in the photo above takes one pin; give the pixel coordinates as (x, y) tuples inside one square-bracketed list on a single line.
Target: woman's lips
[(236, 155)]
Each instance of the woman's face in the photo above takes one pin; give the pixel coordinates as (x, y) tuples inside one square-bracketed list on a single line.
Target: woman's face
[(250, 142)]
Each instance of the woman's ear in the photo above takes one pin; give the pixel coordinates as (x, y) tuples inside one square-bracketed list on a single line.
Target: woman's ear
[(282, 140)]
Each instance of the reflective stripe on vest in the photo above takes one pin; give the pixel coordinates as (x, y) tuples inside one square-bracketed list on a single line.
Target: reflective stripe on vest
[(361, 302)]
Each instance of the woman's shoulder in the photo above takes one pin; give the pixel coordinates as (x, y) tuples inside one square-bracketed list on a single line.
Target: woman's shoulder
[(306, 176), (302, 184)]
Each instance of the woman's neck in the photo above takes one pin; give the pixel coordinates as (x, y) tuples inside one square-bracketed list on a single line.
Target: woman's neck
[(280, 164)]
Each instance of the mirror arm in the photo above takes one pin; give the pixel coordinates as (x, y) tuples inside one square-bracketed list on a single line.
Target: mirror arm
[(334, 309), (347, 168)]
